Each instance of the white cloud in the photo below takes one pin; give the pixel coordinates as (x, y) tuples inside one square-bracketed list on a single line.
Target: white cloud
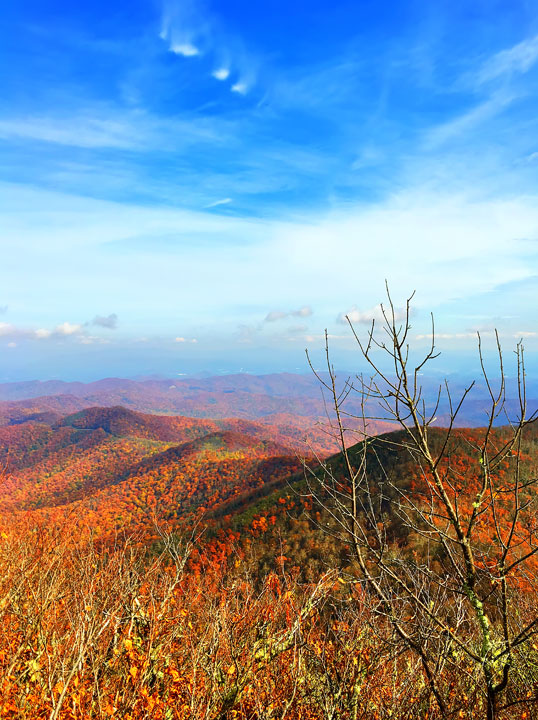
[(12, 344), (185, 49), (185, 340), (221, 73), (63, 330), (67, 328), (366, 316), (240, 87), (275, 315), (183, 26)]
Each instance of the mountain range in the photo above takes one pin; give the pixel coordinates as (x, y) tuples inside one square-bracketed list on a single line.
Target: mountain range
[(293, 400)]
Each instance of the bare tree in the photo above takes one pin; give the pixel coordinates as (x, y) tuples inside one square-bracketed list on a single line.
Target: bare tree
[(445, 548)]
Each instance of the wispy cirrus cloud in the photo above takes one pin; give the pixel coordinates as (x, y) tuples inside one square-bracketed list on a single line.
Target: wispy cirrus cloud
[(216, 203), (192, 29), (518, 59), (460, 126), (111, 128), (185, 27), (80, 131), (497, 84)]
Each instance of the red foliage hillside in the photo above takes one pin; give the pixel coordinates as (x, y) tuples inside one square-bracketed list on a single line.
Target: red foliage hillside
[(113, 469)]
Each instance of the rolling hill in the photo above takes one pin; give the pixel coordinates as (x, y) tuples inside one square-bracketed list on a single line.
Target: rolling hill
[(114, 469)]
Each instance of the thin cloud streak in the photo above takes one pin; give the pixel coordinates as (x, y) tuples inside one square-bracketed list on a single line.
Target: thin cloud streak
[(111, 129), (518, 59), (216, 203)]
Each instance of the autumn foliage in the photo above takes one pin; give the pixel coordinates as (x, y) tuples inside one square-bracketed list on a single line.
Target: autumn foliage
[(173, 568), (92, 634)]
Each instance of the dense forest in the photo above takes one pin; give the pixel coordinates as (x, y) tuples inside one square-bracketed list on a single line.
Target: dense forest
[(172, 567)]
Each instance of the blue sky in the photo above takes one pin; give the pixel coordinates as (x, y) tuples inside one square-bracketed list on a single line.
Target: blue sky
[(190, 185)]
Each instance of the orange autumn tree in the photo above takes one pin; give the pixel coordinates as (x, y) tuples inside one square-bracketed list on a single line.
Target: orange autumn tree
[(445, 548)]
